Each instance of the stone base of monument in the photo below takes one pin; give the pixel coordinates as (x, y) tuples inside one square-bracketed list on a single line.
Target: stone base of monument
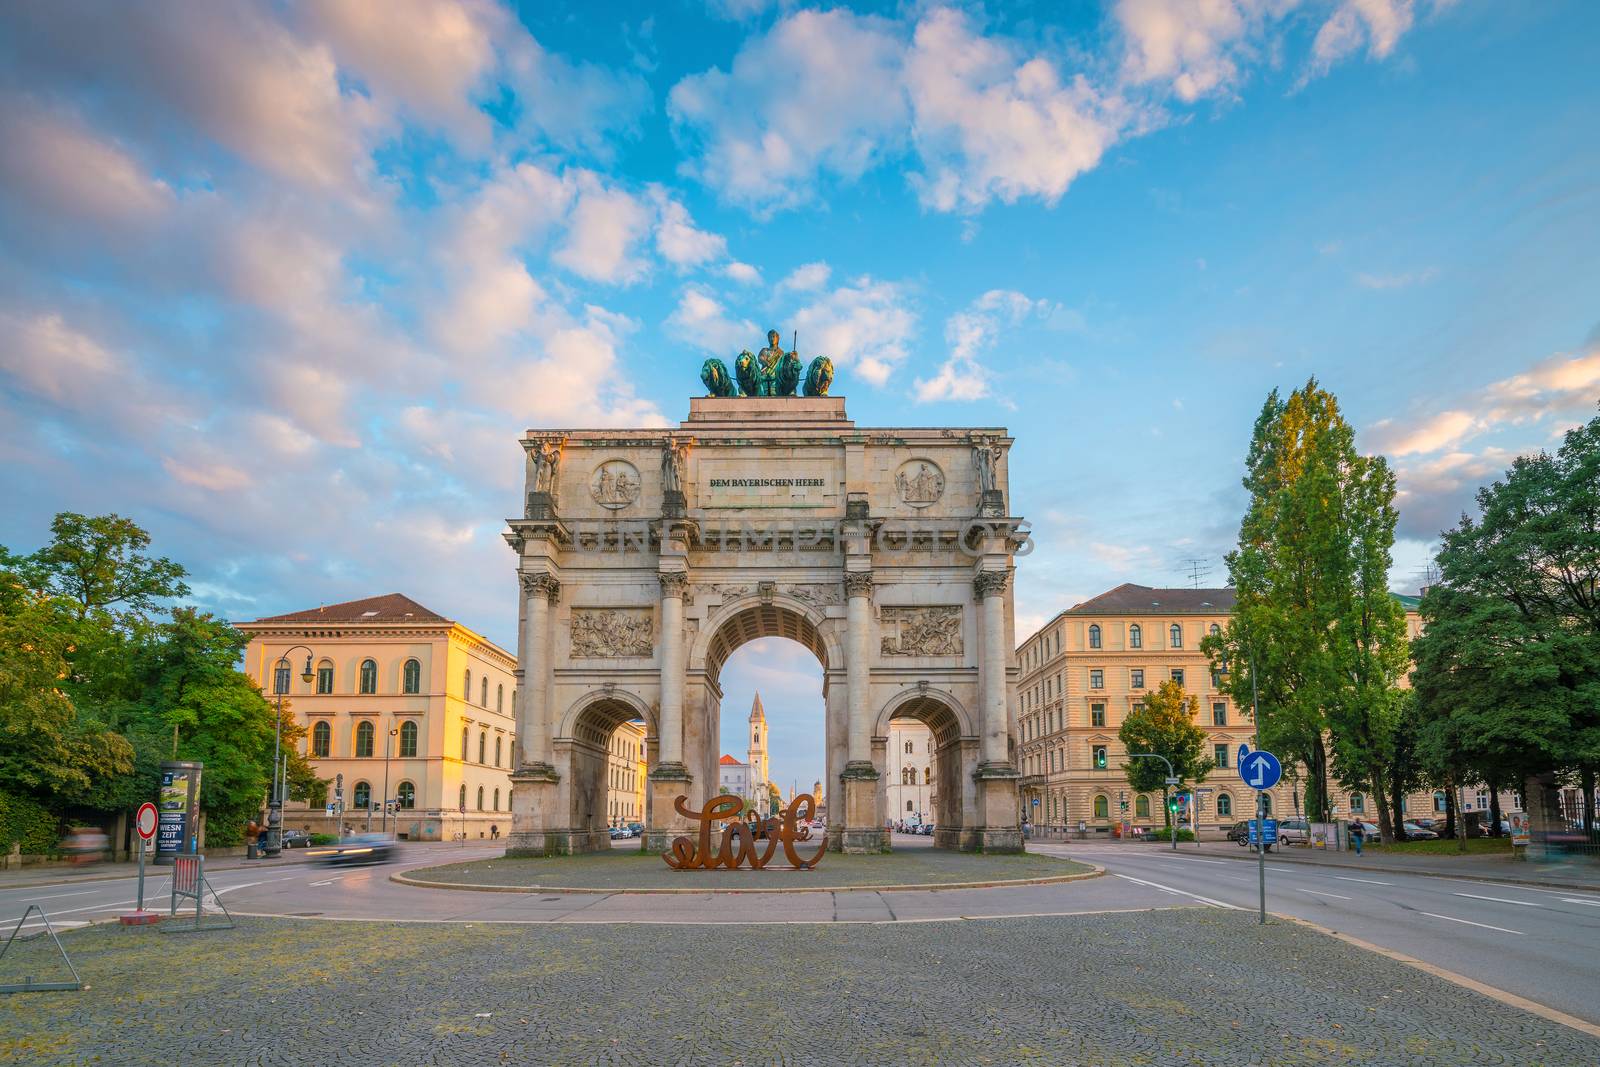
[(534, 792), (861, 831), (999, 826), (667, 783)]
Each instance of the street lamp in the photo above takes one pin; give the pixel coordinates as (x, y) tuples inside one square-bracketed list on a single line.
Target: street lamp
[(1172, 779), (280, 682), (386, 746), (1261, 814)]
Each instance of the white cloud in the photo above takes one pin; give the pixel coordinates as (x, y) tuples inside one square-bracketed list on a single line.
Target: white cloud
[(606, 225), (807, 278), (1379, 24), (1432, 434), (971, 332), (743, 273), (863, 326), (60, 167), (52, 360), (678, 240), (702, 321), (1187, 43)]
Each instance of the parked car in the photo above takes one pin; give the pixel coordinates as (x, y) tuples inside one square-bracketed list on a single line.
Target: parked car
[(1417, 832), (360, 848), (926, 829), (297, 839), (1370, 834), (636, 828), (617, 833), (1294, 831)]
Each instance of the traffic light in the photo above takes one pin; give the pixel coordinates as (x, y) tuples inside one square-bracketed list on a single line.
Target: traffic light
[(1100, 758)]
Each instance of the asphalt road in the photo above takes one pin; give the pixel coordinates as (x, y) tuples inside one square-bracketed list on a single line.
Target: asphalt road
[(1537, 943)]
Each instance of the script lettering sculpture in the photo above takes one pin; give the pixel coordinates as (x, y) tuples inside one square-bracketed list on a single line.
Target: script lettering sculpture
[(737, 846)]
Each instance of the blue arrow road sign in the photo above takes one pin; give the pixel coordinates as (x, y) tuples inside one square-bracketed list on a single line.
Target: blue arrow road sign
[(1260, 769)]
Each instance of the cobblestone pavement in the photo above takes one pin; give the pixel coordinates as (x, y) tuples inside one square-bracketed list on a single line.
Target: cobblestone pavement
[(628, 869), (1175, 987)]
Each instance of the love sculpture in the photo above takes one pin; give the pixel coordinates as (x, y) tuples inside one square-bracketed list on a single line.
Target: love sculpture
[(738, 844)]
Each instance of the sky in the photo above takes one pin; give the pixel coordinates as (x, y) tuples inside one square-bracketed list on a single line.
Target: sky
[(285, 282)]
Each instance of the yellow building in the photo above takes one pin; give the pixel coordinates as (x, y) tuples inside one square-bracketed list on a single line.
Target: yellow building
[(399, 695), (1085, 670), (625, 767)]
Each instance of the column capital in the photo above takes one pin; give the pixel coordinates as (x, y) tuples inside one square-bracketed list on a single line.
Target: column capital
[(535, 584), (673, 583), (858, 583), (990, 583)]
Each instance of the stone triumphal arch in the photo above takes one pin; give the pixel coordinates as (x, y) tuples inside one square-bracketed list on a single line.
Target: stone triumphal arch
[(647, 557)]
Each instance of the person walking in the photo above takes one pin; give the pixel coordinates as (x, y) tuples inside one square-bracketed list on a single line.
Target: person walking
[(1356, 836)]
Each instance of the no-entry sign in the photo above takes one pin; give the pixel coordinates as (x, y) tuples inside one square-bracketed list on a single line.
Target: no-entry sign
[(145, 821)]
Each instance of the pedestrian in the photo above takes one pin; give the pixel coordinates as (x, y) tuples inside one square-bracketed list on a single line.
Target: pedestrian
[(1356, 835), (494, 831)]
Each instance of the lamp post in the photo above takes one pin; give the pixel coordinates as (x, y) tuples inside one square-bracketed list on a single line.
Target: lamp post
[(280, 683), (1172, 779), (387, 742), (1261, 814)]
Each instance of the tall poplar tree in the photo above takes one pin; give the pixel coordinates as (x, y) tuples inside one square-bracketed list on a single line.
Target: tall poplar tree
[(1313, 617)]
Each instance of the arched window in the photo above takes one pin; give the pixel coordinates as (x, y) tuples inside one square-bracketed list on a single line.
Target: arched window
[(363, 795), (1141, 807), (1358, 803), (908, 748), (408, 738), (464, 733), (1094, 636), (466, 686), (369, 676), (1175, 634), (480, 798), (1224, 805), (1266, 803), (483, 747), (483, 693), (364, 734), (462, 802), (497, 800), (411, 677), (905, 775), (321, 740), (325, 677), (909, 807), (1101, 807), (1135, 636), (1216, 631), (1440, 803), (500, 697), (927, 776), (497, 742), (407, 795)]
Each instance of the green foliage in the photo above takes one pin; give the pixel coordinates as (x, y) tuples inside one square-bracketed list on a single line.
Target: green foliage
[(1165, 834), (324, 839), (1167, 725), (25, 820), (99, 563)]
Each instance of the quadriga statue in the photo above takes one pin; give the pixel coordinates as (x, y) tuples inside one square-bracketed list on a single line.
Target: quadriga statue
[(770, 372)]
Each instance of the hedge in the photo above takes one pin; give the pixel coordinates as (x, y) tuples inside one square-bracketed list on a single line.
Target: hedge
[(25, 820)]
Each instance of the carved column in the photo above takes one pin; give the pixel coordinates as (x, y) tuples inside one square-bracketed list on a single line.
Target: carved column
[(858, 594), (673, 584), (534, 728), (990, 587)]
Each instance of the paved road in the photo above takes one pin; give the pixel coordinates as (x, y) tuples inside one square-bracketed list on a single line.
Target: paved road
[(1537, 943)]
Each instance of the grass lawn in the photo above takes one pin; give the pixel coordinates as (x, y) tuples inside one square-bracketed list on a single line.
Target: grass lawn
[(1445, 846)]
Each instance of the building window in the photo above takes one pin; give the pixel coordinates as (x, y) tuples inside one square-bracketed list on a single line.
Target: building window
[(1177, 675), (1483, 800), (927, 776), (908, 748), (1094, 636), (909, 807), (363, 795), (1098, 756), (364, 735), (497, 800), (1220, 754), (1135, 636), (483, 692), (369, 676), (411, 677), (1266, 803), (466, 686), (464, 733), (1439, 802), (500, 697), (1358, 803), (1097, 714), (1216, 630), (462, 797), (1141, 807), (408, 739), (497, 743), (1219, 714), (1097, 679), (1175, 635), (407, 795), (483, 747), (280, 680), (480, 798), (1102, 807), (1224, 805), (321, 740), (1137, 678), (325, 678), (905, 775)]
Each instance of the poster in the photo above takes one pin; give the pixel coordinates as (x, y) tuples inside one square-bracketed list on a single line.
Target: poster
[(1519, 829), (177, 809)]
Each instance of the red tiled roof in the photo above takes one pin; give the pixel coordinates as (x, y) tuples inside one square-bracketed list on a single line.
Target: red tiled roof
[(390, 607), (1130, 599), (728, 761)]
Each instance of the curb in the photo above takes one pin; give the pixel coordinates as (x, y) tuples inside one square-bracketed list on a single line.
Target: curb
[(1531, 1006), (1458, 875), (424, 883)]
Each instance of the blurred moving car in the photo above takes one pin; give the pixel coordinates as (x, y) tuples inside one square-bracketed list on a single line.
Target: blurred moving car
[(360, 848), (297, 839)]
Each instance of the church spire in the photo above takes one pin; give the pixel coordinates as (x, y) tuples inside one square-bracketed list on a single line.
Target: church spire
[(756, 712)]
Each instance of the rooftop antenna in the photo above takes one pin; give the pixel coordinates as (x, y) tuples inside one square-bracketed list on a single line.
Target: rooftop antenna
[(1198, 570)]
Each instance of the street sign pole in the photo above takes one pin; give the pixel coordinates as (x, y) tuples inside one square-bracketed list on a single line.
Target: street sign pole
[(144, 825)]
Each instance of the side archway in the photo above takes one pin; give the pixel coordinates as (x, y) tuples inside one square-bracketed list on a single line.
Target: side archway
[(582, 747), (955, 747)]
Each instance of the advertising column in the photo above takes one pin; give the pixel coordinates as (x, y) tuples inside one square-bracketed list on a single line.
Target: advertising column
[(177, 811)]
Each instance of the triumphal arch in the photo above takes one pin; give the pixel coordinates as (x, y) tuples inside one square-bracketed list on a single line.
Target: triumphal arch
[(646, 557)]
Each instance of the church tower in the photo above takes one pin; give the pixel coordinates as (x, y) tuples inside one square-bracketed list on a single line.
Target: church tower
[(758, 748)]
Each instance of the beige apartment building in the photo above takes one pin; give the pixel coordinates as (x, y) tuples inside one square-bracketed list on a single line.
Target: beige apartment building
[(625, 774), (403, 703), (1086, 669)]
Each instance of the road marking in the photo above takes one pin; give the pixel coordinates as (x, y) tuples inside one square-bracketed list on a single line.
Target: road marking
[(55, 896), (1501, 900), (1314, 893), (1369, 881), (231, 888), (1575, 900), (1178, 892), (328, 882), (1469, 922)]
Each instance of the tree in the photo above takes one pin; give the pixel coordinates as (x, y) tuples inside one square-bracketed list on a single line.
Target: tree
[(1314, 630), (100, 563), (1167, 724)]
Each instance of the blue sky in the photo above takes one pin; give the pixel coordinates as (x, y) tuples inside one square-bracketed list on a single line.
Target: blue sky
[(285, 281)]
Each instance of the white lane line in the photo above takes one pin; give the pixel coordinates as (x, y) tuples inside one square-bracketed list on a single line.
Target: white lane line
[(1178, 892), (316, 884), (245, 885), (1575, 900), (1501, 900), (1469, 922), (54, 896), (1368, 881), (1313, 892), (71, 911)]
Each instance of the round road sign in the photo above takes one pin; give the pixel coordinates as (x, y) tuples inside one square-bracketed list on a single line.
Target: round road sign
[(1260, 770), (145, 821)]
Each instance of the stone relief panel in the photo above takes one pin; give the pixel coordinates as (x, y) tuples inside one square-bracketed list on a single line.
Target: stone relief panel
[(931, 631), (615, 484), (820, 596), (612, 633), (919, 482)]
